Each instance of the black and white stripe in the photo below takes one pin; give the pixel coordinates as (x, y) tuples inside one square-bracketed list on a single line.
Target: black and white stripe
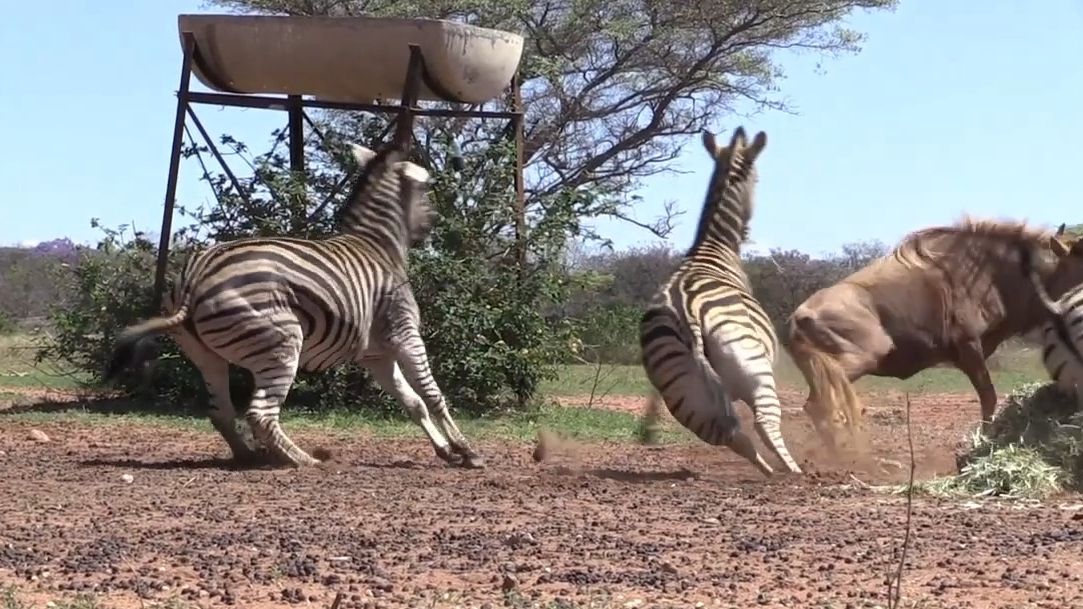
[(705, 339), (278, 305), (1062, 334)]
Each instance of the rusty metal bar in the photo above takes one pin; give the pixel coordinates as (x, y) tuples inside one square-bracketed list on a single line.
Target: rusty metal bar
[(266, 102), (520, 186), (313, 126), (218, 155), (189, 47), (404, 125), (297, 134)]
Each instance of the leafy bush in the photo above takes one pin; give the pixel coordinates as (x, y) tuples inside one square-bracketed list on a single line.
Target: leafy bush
[(111, 287), (481, 298), (7, 323), (610, 334)]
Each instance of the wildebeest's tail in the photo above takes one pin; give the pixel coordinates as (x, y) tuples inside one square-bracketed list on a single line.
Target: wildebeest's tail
[(127, 352), (829, 387)]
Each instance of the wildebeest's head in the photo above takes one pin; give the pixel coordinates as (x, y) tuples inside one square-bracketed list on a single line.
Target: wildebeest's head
[(1063, 269)]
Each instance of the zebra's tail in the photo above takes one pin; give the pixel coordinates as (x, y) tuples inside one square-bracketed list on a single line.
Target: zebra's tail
[(127, 352)]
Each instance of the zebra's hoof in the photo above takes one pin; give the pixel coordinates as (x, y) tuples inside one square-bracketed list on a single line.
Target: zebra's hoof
[(473, 461), (445, 453)]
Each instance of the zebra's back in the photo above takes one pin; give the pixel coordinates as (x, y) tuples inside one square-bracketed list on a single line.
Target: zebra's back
[(705, 340), (711, 294), (330, 289)]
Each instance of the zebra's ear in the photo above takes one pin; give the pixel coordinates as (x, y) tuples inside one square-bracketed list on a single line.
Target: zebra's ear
[(738, 139), (710, 144), (361, 154), (759, 142)]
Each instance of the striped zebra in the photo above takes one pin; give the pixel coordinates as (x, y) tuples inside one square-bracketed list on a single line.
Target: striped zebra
[(277, 305), (1062, 334), (704, 337)]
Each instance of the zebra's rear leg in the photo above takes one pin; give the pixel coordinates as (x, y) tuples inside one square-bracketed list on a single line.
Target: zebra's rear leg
[(768, 414), (389, 376), (414, 362), (215, 372), (272, 385)]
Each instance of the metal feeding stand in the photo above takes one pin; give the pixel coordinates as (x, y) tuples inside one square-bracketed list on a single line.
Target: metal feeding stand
[(268, 54)]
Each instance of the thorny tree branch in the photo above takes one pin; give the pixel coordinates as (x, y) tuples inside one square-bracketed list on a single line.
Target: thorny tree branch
[(894, 586), (613, 88)]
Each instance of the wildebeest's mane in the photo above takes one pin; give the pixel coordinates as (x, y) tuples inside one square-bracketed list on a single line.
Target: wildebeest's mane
[(967, 234), (969, 228)]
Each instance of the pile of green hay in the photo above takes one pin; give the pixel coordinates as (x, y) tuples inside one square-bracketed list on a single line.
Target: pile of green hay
[(1034, 449)]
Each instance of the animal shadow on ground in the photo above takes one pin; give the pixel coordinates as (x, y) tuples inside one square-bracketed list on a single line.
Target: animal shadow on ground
[(108, 406), (222, 463), (181, 464), (621, 475)]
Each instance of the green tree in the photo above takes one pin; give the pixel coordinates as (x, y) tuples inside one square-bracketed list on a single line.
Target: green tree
[(612, 89)]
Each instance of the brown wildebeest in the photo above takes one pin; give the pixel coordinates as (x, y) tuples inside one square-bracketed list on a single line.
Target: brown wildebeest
[(945, 294)]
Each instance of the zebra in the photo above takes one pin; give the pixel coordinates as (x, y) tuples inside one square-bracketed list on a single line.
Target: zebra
[(1062, 333), (276, 305), (704, 338)]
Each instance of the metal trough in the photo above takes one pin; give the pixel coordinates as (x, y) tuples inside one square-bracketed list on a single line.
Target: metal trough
[(350, 59)]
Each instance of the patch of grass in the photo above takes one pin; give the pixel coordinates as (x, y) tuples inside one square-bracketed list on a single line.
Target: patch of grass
[(81, 601), (581, 423), (1013, 364), (607, 379), (586, 424), (18, 368), (11, 599)]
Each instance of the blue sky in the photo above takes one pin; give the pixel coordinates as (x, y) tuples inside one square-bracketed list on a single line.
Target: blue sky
[(950, 107)]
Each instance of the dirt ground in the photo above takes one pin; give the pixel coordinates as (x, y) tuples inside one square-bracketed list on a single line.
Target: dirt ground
[(594, 525)]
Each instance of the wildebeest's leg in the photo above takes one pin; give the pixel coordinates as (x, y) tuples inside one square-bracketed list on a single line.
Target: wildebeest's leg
[(223, 416), (971, 361), (389, 376), (414, 361)]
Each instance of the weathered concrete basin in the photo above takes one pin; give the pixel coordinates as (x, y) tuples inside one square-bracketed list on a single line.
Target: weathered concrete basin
[(349, 59)]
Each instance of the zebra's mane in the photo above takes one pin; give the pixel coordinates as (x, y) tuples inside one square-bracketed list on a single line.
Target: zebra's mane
[(734, 168)]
